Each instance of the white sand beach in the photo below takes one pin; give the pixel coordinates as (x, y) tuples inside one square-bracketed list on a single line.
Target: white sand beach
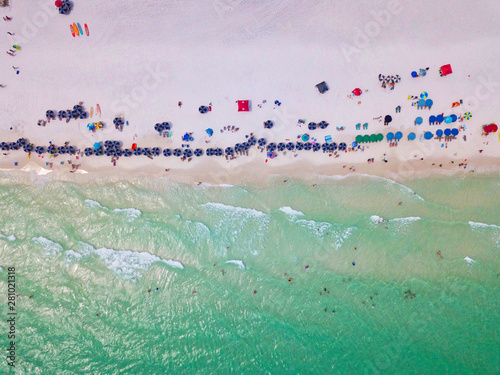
[(141, 59)]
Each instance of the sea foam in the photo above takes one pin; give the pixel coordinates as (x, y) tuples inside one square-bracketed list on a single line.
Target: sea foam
[(131, 213), (10, 238), (49, 247), (239, 263), (234, 209)]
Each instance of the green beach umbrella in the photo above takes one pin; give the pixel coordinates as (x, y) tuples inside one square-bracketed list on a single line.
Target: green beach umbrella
[(366, 138), (380, 137), (359, 139), (373, 138)]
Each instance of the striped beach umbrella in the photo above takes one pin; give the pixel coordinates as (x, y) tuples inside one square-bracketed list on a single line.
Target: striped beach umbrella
[(167, 152), (316, 147), (198, 152), (424, 95), (467, 115)]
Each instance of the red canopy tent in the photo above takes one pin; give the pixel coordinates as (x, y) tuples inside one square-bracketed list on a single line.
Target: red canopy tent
[(446, 69), (243, 105), (491, 128)]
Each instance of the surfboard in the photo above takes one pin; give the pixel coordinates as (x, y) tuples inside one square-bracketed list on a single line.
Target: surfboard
[(86, 30), (421, 137), (72, 30), (98, 110), (80, 28), (91, 111), (76, 29)]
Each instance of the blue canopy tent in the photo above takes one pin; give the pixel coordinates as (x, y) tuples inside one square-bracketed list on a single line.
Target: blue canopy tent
[(421, 103), (418, 120), (428, 135), (454, 132), (439, 133), (411, 136), (398, 135), (390, 136)]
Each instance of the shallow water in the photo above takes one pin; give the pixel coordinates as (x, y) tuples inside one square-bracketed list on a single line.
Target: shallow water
[(82, 250)]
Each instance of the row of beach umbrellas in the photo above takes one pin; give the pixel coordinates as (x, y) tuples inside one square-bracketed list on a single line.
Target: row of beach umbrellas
[(76, 112), (314, 126)]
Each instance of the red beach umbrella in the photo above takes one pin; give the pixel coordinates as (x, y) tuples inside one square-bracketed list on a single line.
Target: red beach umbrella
[(357, 92), (58, 3), (491, 128)]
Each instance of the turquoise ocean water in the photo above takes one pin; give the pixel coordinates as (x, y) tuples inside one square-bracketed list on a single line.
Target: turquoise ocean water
[(87, 254)]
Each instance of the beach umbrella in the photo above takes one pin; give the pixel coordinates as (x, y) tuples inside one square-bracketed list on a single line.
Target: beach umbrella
[(138, 151), (281, 146), (28, 148), (69, 114), (210, 131), (453, 118), (491, 128), (268, 124), (127, 152), (380, 137), (146, 151), (21, 142), (71, 150), (245, 146), (75, 114), (290, 146), (397, 78), (447, 132), (261, 142), (324, 146), (118, 121), (342, 146), (203, 109), (159, 127), (418, 120), (390, 136), (50, 114), (307, 146), (59, 3), (305, 137), (388, 118), (333, 146), (429, 103), (373, 138), (432, 120), (316, 147), (312, 126), (389, 79), (421, 103), (209, 152), (428, 135), (198, 152), (439, 133), (271, 147), (381, 78), (218, 152), (185, 137), (156, 151), (177, 152), (467, 115), (424, 95), (439, 118), (448, 120), (97, 145), (166, 125), (4, 146), (64, 9), (188, 152), (229, 151), (78, 108), (117, 144), (299, 146), (83, 115), (359, 139), (411, 136), (414, 74), (357, 91), (423, 72), (252, 141), (237, 147), (354, 144), (62, 114), (366, 138), (398, 135), (117, 152), (323, 125), (167, 152), (108, 143), (52, 149), (454, 132), (39, 150), (109, 152)]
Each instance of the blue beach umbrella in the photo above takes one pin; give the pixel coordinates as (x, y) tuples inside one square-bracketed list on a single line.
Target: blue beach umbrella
[(432, 120), (210, 131), (185, 138), (299, 146), (324, 146), (166, 125), (229, 151), (440, 118), (127, 152), (210, 151), (70, 150), (245, 146), (62, 114), (312, 126), (323, 125), (439, 133), (39, 150), (454, 132), (448, 119), (333, 146), (418, 120), (78, 108), (218, 152), (50, 114), (198, 152), (75, 114), (429, 103), (411, 136), (4, 146), (428, 135), (342, 146), (108, 143), (167, 152), (156, 151), (316, 147), (138, 151), (13, 146), (83, 115), (307, 146), (159, 127), (453, 118), (177, 152), (203, 109), (447, 132), (262, 142), (354, 144), (398, 135), (414, 74), (109, 152), (271, 147), (390, 136), (290, 146), (268, 124), (238, 147), (281, 146), (88, 151), (146, 151), (252, 141), (52, 149), (188, 152), (21, 142)]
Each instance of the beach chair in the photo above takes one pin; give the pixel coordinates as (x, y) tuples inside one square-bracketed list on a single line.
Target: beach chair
[(358, 126), (328, 138), (365, 126)]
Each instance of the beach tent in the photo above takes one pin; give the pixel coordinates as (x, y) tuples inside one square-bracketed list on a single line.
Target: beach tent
[(210, 132), (243, 105), (491, 128), (322, 87), (446, 69)]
